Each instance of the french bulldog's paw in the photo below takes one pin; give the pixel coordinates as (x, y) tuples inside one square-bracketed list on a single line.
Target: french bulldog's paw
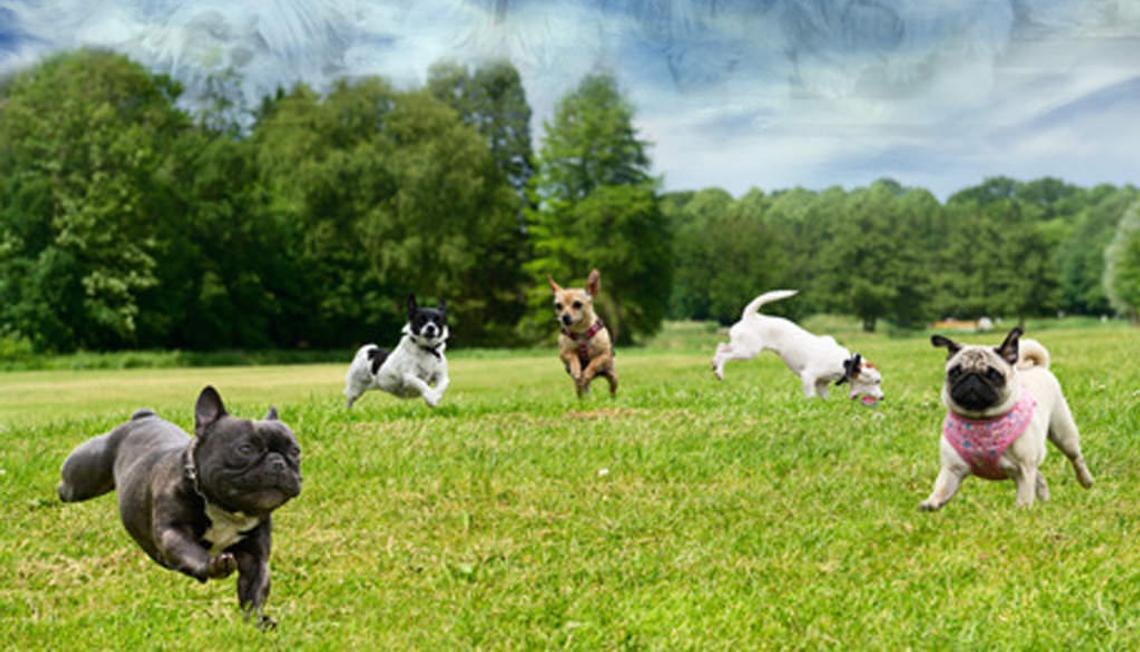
[(265, 623), (433, 398), (222, 565), (928, 506)]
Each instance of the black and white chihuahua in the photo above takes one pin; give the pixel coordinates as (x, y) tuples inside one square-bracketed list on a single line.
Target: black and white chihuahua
[(417, 366)]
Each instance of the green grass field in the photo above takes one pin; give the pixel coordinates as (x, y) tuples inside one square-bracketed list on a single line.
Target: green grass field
[(685, 514)]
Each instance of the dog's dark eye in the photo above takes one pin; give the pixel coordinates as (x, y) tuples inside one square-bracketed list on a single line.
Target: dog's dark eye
[(993, 374), (295, 452), (954, 372), (247, 449), (558, 306), (577, 305)]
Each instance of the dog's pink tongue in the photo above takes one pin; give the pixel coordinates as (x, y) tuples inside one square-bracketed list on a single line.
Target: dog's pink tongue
[(869, 401)]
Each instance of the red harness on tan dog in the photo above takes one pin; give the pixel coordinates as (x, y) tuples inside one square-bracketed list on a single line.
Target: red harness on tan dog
[(583, 341)]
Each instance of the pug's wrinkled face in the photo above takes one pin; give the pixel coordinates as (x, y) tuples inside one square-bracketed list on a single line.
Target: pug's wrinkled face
[(980, 381)]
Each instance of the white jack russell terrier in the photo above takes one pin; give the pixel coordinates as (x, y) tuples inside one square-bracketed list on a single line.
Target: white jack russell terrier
[(817, 359)]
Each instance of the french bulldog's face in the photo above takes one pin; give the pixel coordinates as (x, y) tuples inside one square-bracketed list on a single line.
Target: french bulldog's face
[(979, 378), (244, 466), (428, 324), (573, 306)]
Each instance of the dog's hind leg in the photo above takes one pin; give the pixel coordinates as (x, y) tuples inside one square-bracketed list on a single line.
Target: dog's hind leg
[(1042, 487), (1064, 435), (89, 470)]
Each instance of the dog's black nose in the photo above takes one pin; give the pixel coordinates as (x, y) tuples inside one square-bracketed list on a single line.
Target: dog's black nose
[(566, 319)]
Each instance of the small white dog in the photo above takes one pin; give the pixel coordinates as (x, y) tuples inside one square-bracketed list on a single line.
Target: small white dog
[(817, 359), (417, 367)]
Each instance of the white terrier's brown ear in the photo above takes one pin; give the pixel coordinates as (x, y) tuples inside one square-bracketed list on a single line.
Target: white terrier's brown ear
[(594, 282), (553, 286)]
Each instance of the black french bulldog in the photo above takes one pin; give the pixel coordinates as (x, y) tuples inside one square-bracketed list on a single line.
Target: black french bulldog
[(198, 506)]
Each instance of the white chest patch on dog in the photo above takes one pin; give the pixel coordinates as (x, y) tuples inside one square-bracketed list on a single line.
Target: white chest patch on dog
[(226, 528)]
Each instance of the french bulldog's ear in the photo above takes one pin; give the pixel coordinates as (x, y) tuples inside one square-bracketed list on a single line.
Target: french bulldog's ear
[(1008, 349), (442, 305), (208, 410), (412, 304), (553, 286), (272, 414), (593, 282), (952, 347)]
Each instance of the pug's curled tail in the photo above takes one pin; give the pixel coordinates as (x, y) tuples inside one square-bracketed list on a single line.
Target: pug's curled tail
[(753, 306), (1032, 354), (89, 470)]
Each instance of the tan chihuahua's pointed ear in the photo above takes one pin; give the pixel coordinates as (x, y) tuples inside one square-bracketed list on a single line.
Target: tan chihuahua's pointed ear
[(553, 286), (594, 282)]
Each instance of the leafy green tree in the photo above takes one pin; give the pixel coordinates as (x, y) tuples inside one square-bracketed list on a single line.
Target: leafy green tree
[(491, 98), (388, 192), (85, 142), (1122, 265), (599, 208), (592, 143), (874, 264), (1081, 256)]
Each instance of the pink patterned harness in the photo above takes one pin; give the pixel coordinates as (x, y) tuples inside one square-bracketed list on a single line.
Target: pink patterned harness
[(981, 442)]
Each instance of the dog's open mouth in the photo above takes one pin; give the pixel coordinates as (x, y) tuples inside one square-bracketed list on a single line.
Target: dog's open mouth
[(869, 401)]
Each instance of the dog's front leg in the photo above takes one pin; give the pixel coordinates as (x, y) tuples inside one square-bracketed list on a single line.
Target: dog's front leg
[(185, 555), (441, 383), (591, 370), (809, 386), (252, 556), (944, 489), (431, 397), (1026, 480), (574, 368)]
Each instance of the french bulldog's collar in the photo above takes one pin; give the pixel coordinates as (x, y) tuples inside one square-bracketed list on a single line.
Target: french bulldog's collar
[(981, 442), (190, 469)]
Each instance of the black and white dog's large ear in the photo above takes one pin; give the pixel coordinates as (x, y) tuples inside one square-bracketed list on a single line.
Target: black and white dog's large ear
[(412, 307), (442, 306), (851, 367), (1009, 348), (952, 347)]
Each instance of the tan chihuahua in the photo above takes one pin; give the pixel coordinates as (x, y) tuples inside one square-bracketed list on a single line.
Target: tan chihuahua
[(584, 345)]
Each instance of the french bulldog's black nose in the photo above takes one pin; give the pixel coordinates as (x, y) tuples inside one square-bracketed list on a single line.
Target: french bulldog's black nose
[(278, 464), (566, 319)]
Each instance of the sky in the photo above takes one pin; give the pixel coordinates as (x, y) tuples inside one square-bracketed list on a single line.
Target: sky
[(732, 93)]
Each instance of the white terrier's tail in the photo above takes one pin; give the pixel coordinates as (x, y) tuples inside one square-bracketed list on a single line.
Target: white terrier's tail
[(775, 295), (1031, 354)]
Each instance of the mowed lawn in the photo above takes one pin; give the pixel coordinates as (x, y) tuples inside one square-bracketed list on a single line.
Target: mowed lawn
[(686, 514)]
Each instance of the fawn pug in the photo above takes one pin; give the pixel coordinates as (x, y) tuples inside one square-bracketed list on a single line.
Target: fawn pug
[(1002, 403), (584, 344)]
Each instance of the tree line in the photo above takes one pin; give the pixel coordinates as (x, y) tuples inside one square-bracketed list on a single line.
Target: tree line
[(128, 221)]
